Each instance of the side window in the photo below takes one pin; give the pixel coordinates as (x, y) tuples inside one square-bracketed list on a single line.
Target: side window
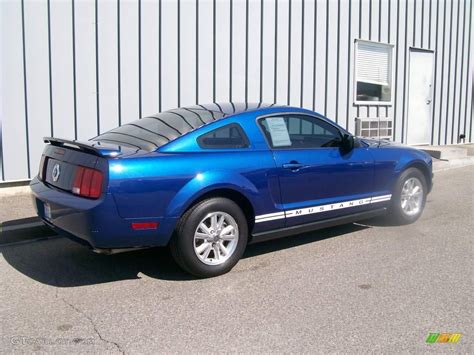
[(299, 132), (231, 136)]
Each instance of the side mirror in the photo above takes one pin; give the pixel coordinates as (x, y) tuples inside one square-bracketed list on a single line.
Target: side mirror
[(347, 143)]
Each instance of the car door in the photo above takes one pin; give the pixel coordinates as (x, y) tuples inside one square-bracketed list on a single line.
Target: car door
[(317, 179)]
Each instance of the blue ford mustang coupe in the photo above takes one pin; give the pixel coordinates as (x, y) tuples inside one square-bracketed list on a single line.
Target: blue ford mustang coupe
[(209, 179)]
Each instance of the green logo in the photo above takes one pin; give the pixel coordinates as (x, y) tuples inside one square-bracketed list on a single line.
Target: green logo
[(443, 338)]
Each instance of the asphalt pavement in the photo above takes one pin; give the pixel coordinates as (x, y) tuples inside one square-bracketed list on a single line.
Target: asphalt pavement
[(367, 287)]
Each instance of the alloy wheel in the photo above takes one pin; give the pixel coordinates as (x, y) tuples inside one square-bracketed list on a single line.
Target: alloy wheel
[(412, 196), (216, 238)]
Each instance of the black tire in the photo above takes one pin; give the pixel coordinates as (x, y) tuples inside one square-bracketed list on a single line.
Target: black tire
[(396, 213), (182, 243)]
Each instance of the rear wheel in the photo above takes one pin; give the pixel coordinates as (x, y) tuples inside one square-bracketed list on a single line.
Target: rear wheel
[(409, 197), (210, 238)]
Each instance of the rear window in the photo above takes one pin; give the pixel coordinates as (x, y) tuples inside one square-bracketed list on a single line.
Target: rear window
[(152, 132), (228, 137)]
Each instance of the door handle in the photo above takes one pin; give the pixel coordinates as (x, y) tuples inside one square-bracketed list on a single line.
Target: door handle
[(428, 101), (293, 165)]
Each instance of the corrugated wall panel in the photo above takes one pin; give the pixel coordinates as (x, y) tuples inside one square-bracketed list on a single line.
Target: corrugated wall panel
[(282, 30), (425, 22), (457, 78), (417, 22), (222, 51), (331, 61), (205, 48), (150, 56), (400, 69), (470, 82), (85, 57), (61, 69), (308, 56), (438, 47), (467, 69), (93, 64), (38, 78), (268, 50), (343, 78), (444, 71), (464, 67), (129, 58), (108, 64), (392, 25), (450, 75), (382, 36), (355, 26), (13, 115), (253, 54), (464, 70), (375, 20), (294, 50), (409, 42), (321, 48)]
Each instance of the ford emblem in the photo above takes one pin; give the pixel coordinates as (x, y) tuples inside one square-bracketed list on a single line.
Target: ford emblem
[(56, 172)]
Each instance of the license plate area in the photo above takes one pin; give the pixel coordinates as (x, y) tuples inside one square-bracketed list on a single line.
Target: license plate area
[(47, 211)]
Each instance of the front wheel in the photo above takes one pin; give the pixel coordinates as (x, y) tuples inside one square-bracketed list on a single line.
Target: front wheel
[(210, 238), (409, 197)]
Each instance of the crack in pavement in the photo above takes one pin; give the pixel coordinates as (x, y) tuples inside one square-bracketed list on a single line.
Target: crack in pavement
[(91, 321)]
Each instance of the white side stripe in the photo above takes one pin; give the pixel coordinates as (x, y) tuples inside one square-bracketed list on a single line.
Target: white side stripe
[(321, 208), (381, 198), (269, 215), (269, 218)]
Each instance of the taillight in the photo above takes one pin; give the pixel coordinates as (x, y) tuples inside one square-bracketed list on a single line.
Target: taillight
[(41, 167), (87, 182)]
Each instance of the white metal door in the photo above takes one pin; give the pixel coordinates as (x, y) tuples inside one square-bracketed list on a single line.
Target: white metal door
[(420, 93)]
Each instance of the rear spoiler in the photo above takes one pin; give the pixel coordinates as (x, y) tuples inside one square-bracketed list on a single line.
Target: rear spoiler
[(96, 148)]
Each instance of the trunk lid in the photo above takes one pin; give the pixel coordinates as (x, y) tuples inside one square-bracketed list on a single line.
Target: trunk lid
[(62, 159), (64, 163), (59, 166)]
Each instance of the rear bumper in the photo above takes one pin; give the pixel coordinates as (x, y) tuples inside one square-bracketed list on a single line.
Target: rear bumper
[(96, 222)]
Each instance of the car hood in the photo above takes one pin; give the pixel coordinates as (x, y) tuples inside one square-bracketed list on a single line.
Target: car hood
[(381, 143)]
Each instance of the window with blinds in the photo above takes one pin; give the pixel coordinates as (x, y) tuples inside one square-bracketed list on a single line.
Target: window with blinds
[(373, 73)]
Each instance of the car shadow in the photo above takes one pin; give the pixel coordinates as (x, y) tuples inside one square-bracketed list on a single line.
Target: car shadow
[(380, 221), (61, 262)]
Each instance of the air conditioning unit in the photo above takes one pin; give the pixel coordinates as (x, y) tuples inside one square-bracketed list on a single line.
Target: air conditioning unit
[(380, 128)]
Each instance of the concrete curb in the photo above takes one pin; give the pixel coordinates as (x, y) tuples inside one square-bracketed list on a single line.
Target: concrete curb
[(442, 165), (15, 190)]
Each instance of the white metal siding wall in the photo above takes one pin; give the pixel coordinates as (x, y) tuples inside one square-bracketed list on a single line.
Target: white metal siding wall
[(78, 68)]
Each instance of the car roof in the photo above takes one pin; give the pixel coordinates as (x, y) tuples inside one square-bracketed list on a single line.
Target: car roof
[(154, 131)]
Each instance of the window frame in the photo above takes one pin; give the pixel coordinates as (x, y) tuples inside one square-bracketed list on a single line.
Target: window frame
[(230, 125), (269, 143), (391, 71)]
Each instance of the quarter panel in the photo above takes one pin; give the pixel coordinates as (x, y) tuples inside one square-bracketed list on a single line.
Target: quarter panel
[(166, 184)]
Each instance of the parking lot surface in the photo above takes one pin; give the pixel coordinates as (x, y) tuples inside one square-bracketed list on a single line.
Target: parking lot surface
[(354, 288)]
